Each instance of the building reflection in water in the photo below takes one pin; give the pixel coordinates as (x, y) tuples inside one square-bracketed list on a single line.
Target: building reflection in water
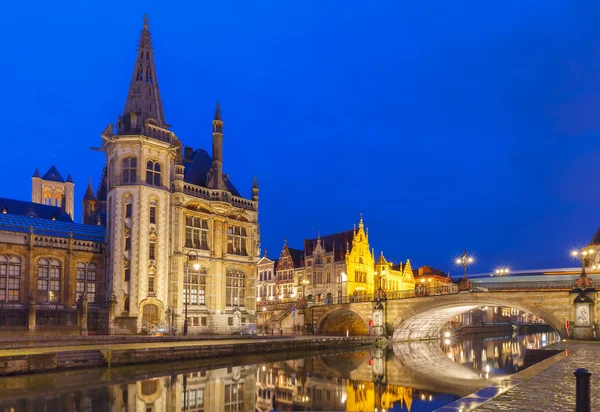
[(418, 376)]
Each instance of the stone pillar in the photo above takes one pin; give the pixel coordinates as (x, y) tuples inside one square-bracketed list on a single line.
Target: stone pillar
[(378, 317), (584, 321), (83, 316), (31, 320), (112, 307)]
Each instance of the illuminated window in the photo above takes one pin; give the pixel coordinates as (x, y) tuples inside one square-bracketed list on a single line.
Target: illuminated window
[(48, 281), (234, 289), (86, 281), (129, 170), (196, 232), (10, 278), (195, 286)]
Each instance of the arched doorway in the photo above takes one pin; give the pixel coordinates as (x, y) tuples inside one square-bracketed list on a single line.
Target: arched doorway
[(150, 313)]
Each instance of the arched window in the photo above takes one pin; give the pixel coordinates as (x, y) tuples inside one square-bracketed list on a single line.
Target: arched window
[(153, 173), (152, 212), (234, 287), (47, 197), (86, 281), (48, 281), (58, 198), (129, 170), (10, 278), (195, 286)]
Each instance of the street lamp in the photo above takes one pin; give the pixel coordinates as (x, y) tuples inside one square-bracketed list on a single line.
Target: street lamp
[(502, 272), (304, 283), (187, 285), (465, 261), (583, 255), (264, 320)]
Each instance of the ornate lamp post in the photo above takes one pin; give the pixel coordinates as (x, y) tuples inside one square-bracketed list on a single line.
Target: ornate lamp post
[(187, 283), (465, 261), (584, 255)]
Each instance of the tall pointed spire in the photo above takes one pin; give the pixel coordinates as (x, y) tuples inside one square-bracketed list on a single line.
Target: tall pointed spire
[(143, 100), (215, 179)]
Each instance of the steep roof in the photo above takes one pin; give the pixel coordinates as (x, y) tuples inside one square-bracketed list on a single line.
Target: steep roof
[(144, 94), (89, 193), (339, 240), (48, 227), (596, 239), (197, 168), (53, 175), (34, 210), (36, 173), (297, 256)]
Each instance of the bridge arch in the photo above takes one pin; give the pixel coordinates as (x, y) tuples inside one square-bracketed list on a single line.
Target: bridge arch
[(338, 321), (426, 319)]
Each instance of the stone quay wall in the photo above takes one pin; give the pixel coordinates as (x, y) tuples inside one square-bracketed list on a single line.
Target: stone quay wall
[(32, 361)]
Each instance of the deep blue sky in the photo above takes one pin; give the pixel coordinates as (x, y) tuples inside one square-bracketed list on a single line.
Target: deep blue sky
[(448, 125)]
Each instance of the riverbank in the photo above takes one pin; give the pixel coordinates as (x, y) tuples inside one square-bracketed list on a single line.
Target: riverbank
[(107, 353), (547, 385)]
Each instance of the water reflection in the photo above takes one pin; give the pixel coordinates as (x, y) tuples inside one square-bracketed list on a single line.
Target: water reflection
[(406, 377)]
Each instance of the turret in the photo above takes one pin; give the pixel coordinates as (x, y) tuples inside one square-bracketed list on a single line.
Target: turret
[(216, 172), (255, 190)]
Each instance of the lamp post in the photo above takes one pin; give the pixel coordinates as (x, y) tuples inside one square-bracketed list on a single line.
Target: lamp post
[(502, 272), (187, 285), (264, 320), (583, 255), (465, 261)]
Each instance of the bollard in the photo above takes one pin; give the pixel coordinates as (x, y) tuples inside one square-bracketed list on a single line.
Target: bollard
[(347, 332), (583, 400)]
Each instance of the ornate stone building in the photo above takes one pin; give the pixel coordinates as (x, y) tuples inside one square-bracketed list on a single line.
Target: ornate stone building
[(338, 265), (52, 190), (287, 276), (47, 263), (266, 279), (168, 208), (393, 278)]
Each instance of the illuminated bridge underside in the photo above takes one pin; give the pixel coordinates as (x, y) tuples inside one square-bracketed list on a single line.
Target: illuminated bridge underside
[(428, 324)]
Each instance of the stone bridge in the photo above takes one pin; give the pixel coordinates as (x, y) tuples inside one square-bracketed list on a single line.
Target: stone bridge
[(421, 318)]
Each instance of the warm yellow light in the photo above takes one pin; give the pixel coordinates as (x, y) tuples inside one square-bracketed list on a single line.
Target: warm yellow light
[(497, 271), (196, 266), (458, 261), (264, 308), (574, 253), (470, 260), (447, 334), (584, 252), (422, 280)]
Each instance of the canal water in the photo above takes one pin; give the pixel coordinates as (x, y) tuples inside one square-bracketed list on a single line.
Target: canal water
[(416, 377)]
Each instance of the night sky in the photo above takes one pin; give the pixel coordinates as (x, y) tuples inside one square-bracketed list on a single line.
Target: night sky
[(449, 125)]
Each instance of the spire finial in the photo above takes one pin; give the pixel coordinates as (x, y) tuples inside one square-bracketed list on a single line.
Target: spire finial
[(90, 181), (143, 100), (285, 242), (255, 184), (218, 111), (360, 222)]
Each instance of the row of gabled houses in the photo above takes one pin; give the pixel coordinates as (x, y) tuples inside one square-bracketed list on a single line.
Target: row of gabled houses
[(331, 269)]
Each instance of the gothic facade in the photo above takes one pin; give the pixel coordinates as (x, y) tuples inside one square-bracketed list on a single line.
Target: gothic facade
[(334, 268), (180, 236), (166, 237)]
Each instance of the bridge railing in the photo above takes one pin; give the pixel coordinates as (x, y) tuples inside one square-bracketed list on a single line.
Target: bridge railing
[(524, 286)]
